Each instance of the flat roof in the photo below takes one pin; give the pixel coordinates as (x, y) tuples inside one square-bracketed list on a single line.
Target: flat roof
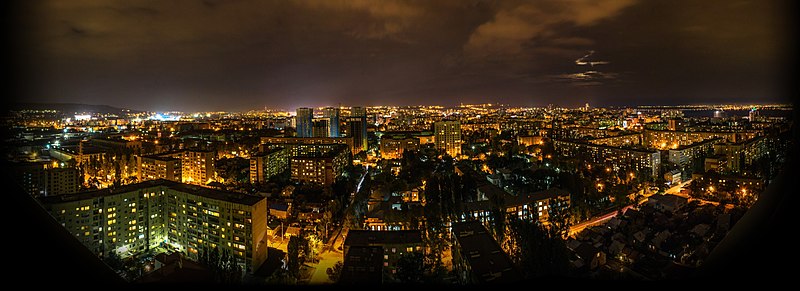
[(526, 198), (488, 262), (516, 200), (580, 142), (161, 158), (269, 151), (228, 196), (372, 238)]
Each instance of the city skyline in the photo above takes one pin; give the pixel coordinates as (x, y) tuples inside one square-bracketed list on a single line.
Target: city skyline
[(393, 142), (158, 57)]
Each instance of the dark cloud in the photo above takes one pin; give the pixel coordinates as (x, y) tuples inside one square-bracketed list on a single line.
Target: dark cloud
[(234, 55)]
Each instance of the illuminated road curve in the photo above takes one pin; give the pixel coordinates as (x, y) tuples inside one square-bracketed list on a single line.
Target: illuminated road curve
[(595, 221)]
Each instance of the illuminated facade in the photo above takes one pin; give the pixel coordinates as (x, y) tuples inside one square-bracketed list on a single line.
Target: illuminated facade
[(645, 161), (319, 164), (743, 153), (269, 163), (392, 147), (321, 127), (528, 206), (44, 179), (530, 140), (303, 122), (332, 114), (357, 129), (132, 219), (619, 140), (197, 165), (666, 139), (159, 167), (684, 155), (448, 137), (292, 142)]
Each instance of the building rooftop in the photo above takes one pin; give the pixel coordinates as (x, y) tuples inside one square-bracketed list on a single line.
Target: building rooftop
[(161, 158), (228, 196), (582, 142), (487, 261), (529, 198), (268, 151), (512, 200), (669, 200), (373, 238)]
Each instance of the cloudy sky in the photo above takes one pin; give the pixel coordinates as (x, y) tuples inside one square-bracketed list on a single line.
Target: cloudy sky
[(239, 55)]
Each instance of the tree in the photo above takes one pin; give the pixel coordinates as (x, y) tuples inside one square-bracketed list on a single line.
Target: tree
[(410, 267), (293, 249), (559, 216), (335, 272), (536, 250)]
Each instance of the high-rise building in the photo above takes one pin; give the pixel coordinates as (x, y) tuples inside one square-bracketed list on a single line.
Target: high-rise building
[(358, 111), (159, 167), (197, 166), (291, 142), (616, 158), (304, 122), (332, 114), (393, 146), (268, 163), (40, 179), (358, 127), (133, 219), (321, 127), (448, 137), (319, 163)]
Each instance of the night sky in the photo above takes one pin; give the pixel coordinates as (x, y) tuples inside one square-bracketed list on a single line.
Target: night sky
[(240, 55)]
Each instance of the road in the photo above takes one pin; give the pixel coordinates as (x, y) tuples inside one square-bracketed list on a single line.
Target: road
[(595, 221), (676, 190), (328, 259)]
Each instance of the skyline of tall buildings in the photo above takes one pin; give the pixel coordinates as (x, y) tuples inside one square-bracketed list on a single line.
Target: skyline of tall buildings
[(332, 114), (358, 127), (448, 136), (252, 176), (304, 122)]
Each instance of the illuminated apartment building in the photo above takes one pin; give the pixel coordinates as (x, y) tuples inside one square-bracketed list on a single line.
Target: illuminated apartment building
[(393, 146), (742, 153), (292, 141), (159, 167), (665, 139), (684, 155), (43, 179), (332, 114), (197, 166), (319, 163), (618, 140), (645, 161), (321, 127), (528, 206), (448, 137), (357, 129), (268, 163), (132, 219), (303, 122), (529, 140)]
